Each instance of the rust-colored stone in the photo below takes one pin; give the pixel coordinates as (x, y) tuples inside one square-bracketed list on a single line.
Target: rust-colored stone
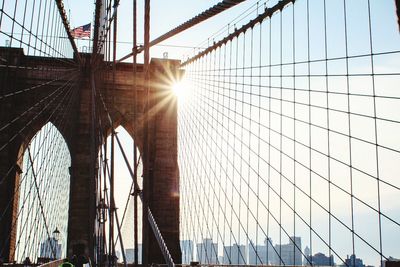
[(75, 128)]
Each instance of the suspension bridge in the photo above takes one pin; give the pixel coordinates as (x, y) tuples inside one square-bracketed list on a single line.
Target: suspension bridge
[(275, 142)]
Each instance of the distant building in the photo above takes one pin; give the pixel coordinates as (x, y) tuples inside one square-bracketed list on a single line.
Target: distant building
[(353, 261), (390, 262), (50, 249), (318, 259), (130, 254), (307, 256), (187, 251), (262, 254), (235, 254), (290, 254), (257, 254), (207, 252)]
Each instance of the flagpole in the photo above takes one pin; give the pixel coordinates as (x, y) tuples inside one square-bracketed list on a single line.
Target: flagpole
[(90, 36)]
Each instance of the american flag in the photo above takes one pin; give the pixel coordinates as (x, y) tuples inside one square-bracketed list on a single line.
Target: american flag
[(81, 31)]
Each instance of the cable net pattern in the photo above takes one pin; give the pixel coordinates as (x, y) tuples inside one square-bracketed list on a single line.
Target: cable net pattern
[(38, 101), (35, 26), (288, 140), (43, 198)]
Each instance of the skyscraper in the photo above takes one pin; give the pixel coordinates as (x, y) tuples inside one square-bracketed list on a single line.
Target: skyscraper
[(50, 249), (263, 254), (354, 261), (130, 254), (322, 260), (290, 254), (187, 251), (207, 252), (235, 254), (257, 254), (307, 259)]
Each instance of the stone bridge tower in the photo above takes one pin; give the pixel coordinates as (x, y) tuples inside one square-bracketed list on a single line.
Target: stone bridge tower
[(118, 94)]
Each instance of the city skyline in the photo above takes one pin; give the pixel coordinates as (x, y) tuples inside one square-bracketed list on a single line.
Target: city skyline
[(50, 249), (295, 188), (291, 254), (285, 144)]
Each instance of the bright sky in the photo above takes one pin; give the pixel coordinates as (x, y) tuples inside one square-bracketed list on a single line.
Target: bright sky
[(166, 15)]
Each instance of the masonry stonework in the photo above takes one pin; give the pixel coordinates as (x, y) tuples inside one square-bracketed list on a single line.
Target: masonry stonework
[(163, 187)]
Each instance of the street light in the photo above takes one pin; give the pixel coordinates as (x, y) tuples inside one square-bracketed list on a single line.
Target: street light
[(102, 211), (56, 234)]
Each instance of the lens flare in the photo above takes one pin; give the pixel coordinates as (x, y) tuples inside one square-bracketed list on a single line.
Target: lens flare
[(181, 89)]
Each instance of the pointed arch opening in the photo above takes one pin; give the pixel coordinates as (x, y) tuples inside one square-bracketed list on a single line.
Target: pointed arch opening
[(42, 190), (123, 194)]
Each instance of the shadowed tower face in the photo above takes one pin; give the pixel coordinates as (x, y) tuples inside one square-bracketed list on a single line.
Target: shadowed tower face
[(288, 141), (69, 108)]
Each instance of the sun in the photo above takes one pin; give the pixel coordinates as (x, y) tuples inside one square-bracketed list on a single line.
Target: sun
[(181, 89)]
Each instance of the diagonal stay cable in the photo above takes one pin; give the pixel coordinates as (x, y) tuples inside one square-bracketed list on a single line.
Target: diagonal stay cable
[(267, 13), (37, 115), (128, 199), (29, 123), (58, 118), (319, 204), (39, 198), (2, 97), (212, 11), (150, 217), (36, 105), (64, 18)]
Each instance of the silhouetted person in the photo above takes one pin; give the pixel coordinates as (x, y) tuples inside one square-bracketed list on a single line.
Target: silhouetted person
[(66, 263), (27, 262), (81, 260), (74, 260)]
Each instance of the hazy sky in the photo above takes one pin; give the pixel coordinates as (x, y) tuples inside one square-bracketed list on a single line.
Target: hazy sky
[(238, 113), (166, 15), (198, 111)]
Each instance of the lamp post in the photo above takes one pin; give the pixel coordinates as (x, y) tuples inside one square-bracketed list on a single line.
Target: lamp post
[(54, 244), (56, 234), (102, 211)]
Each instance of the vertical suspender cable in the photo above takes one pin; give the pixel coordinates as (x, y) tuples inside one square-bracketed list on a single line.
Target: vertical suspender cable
[(111, 248), (349, 133), (146, 182), (119, 228), (104, 239), (112, 204), (135, 156), (329, 138), (378, 186)]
